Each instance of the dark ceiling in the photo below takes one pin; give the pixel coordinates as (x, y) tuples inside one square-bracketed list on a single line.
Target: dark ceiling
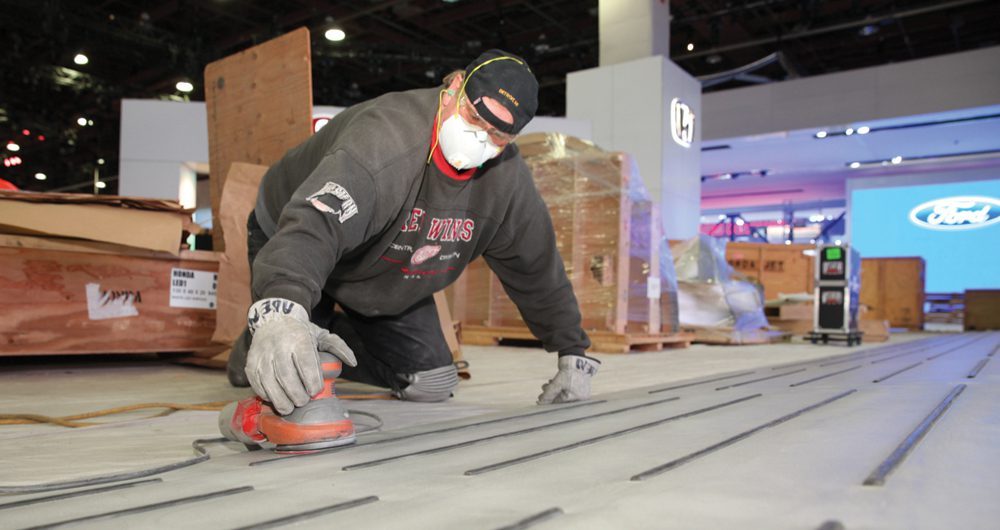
[(140, 49)]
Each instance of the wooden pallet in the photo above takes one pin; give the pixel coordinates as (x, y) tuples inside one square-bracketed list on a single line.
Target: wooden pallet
[(729, 336), (601, 341)]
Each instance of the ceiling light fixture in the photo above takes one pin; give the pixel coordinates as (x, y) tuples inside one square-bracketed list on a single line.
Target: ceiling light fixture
[(896, 159), (864, 129), (184, 86), (335, 34), (40, 176), (81, 59), (821, 134), (81, 121), (690, 47), (100, 185), (855, 165), (11, 146), (849, 131)]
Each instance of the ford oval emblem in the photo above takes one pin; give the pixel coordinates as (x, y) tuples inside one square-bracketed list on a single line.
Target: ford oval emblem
[(956, 213)]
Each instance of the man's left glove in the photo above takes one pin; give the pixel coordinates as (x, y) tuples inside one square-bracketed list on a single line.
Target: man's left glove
[(283, 361), (572, 381)]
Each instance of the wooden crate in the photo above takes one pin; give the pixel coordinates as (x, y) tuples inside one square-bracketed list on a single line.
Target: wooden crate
[(58, 300), (779, 268), (893, 290), (609, 240), (982, 309)]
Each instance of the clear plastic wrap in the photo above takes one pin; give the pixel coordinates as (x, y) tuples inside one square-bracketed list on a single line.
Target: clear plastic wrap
[(608, 234), (709, 294)]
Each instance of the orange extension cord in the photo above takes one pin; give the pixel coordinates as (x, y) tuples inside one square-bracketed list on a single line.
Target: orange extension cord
[(72, 421)]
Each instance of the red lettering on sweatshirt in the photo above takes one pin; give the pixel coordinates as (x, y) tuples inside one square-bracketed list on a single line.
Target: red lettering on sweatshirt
[(451, 229), (413, 222)]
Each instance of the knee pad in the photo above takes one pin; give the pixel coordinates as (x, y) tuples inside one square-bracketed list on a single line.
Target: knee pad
[(429, 385)]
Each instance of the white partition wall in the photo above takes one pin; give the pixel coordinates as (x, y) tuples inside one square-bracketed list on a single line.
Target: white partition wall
[(629, 106)]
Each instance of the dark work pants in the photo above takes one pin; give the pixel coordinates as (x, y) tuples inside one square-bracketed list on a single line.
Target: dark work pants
[(385, 346)]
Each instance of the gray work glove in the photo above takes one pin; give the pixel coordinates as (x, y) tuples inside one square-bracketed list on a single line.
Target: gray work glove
[(283, 362), (572, 381)]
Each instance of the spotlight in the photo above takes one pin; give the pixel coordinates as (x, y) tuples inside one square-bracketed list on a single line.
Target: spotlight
[(335, 35), (855, 165), (897, 159), (864, 129), (100, 161), (11, 146), (821, 134), (101, 185), (81, 121), (690, 46), (184, 86), (81, 59), (849, 131), (40, 176), (26, 132)]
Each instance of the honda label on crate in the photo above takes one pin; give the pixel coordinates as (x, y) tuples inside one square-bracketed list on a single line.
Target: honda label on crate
[(956, 213), (194, 289)]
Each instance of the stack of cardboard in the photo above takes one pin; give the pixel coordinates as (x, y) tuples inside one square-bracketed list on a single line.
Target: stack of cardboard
[(608, 234), (91, 274)]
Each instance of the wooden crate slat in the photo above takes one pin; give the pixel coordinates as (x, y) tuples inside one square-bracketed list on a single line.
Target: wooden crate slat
[(602, 341)]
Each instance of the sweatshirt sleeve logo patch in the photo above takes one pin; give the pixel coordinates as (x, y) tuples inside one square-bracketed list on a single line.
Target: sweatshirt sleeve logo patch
[(347, 207)]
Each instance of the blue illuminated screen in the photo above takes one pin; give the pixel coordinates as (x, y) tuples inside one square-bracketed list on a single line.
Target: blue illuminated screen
[(956, 259)]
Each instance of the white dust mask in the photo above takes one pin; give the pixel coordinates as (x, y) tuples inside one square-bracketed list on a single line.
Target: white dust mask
[(465, 146)]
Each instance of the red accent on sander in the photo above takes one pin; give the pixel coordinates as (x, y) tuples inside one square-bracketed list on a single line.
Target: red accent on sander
[(320, 424)]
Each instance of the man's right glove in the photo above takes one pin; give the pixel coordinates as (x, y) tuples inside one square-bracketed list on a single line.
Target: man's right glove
[(572, 381), (283, 364)]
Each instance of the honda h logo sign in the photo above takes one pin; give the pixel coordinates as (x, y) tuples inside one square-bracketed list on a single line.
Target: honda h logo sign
[(681, 123), (956, 213)]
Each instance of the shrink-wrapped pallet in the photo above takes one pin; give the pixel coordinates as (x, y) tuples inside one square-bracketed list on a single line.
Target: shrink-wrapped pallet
[(609, 237)]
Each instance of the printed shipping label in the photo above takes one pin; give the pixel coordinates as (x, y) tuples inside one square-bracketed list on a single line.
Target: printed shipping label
[(653, 288), (194, 289)]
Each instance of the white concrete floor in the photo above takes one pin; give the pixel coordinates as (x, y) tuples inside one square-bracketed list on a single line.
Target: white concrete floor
[(797, 474)]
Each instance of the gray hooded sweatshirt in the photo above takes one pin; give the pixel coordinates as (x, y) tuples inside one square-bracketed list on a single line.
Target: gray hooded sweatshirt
[(361, 211)]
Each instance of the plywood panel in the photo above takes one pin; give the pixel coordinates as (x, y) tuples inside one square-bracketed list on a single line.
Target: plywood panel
[(982, 309), (779, 268), (893, 289), (744, 258), (259, 104)]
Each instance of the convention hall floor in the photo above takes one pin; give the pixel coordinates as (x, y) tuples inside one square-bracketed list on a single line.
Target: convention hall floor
[(782, 436)]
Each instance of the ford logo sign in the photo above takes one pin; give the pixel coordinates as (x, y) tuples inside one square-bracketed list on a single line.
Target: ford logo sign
[(956, 213)]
